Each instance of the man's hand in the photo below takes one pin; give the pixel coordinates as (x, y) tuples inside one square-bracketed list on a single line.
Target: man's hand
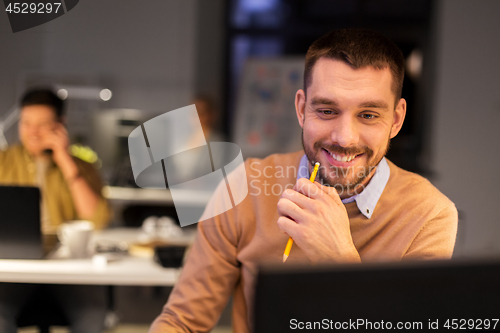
[(58, 141), (315, 217), (83, 195)]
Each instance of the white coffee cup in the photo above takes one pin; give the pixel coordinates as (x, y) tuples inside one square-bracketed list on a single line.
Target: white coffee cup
[(75, 236)]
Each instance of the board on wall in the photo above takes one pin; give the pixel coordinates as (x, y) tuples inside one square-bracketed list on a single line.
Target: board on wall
[(266, 121)]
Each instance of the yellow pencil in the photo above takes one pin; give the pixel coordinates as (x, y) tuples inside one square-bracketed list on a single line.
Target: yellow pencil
[(290, 240)]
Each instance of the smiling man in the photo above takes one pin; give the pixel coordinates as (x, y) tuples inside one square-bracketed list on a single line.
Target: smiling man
[(361, 208), (350, 119)]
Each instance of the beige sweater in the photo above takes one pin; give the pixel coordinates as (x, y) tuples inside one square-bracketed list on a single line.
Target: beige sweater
[(412, 220)]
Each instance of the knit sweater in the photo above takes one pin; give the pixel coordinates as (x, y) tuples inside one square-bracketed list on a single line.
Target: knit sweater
[(412, 220)]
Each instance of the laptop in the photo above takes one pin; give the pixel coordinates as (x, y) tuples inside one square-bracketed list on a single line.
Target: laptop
[(432, 295), (20, 235)]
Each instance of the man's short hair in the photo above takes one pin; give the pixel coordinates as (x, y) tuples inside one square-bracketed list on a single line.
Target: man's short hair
[(43, 97), (358, 48)]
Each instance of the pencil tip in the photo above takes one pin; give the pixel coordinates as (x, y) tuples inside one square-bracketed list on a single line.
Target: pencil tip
[(285, 257)]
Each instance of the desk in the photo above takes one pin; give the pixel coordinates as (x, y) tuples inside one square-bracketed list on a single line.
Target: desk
[(127, 270), (158, 196)]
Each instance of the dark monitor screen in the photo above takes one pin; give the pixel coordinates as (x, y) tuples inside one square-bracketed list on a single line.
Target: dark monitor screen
[(416, 296), (20, 235)]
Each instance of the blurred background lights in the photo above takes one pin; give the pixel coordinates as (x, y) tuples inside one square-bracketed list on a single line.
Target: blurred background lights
[(105, 94), (414, 64), (257, 5), (62, 93)]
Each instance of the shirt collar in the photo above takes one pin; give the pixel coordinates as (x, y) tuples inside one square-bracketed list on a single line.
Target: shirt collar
[(366, 200)]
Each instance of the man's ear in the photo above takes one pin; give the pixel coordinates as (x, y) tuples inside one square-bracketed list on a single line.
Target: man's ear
[(399, 117), (300, 106)]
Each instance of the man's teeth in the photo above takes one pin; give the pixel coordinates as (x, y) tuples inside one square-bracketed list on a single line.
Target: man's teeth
[(343, 158)]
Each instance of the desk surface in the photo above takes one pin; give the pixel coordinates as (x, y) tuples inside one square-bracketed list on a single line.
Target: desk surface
[(158, 196), (124, 270)]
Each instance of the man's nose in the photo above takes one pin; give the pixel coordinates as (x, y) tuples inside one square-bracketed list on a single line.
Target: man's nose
[(33, 129), (346, 132)]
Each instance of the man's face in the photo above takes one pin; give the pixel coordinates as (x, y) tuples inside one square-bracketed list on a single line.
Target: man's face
[(35, 123), (347, 121)]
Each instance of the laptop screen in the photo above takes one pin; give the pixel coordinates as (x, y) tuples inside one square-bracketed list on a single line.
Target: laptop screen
[(418, 296), (20, 235)]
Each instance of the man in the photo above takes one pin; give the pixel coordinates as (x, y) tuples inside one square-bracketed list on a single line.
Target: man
[(71, 190), (361, 208)]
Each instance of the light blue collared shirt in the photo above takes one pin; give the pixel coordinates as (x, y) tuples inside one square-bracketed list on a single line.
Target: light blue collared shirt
[(368, 198)]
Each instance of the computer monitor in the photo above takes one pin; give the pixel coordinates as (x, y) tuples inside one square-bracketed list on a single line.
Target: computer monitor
[(20, 235), (418, 295)]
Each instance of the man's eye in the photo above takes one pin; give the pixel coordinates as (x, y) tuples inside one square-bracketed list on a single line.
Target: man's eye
[(326, 112), (368, 116)]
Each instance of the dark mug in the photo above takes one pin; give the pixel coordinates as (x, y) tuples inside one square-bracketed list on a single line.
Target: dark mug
[(170, 256)]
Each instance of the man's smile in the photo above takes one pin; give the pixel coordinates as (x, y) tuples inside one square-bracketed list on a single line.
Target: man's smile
[(341, 160)]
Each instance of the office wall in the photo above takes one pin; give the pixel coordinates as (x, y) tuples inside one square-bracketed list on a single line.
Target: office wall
[(466, 119), (143, 51), (18, 53), (209, 58)]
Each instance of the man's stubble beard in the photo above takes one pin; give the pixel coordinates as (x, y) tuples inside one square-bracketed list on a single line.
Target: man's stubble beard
[(344, 180)]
